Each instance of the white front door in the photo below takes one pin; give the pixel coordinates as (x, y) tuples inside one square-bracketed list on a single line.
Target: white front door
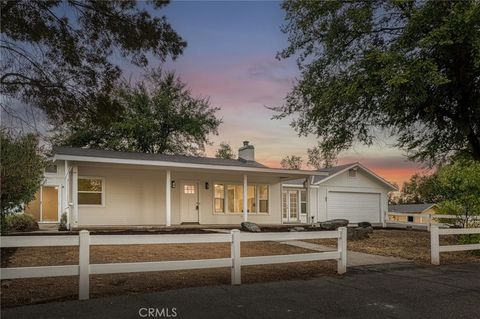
[(290, 206), (189, 204)]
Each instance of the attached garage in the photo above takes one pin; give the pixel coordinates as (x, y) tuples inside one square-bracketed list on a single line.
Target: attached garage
[(356, 207), (349, 191)]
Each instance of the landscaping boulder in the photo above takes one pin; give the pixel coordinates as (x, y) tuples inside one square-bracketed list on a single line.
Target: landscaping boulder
[(364, 224), (358, 233), (334, 224), (298, 228), (250, 227)]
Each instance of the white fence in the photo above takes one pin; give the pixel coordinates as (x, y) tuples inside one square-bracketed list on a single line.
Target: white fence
[(84, 240), (430, 219), (436, 249)]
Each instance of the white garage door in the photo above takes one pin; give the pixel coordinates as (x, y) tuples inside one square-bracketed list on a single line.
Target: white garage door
[(356, 207)]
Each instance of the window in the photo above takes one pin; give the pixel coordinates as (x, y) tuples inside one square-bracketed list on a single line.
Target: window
[(410, 219), (51, 168), (352, 172), (303, 202), (229, 198), (263, 198), (235, 198), (90, 191), (219, 190), (189, 189), (284, 206)]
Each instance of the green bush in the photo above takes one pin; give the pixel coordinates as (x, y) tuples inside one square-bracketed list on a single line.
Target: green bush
[(63, 222), (20, 223)]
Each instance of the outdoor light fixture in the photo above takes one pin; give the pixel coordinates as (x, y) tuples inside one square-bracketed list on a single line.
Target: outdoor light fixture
[(173, 184), (207, 186)]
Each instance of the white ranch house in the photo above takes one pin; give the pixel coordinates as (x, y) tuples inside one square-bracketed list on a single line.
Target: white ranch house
[(97, 188)]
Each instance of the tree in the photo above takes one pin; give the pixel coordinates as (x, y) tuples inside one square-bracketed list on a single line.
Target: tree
[(58, 55), (420, 189), (225, 151), (458, 185), (291, 162), (159, 115), (318, 159), (410, 68), (21, 171)]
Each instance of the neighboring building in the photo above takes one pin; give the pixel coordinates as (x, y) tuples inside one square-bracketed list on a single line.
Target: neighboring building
[(97, 188), (412, 209)]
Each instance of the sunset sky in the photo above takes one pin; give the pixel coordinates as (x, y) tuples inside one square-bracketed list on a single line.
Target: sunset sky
[(230, 58)]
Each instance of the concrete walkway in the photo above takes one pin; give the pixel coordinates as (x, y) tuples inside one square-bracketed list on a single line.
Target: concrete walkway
[(353, 258), (404, 291)]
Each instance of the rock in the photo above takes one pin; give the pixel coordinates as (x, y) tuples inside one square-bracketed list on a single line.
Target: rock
[(334, 224), (358, 233), (298, 228), (5, 284), (292, 230), (364, 224), (251, 227), (369, 229)]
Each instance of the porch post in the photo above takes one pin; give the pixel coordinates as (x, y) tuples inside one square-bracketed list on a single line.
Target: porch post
[(309, 212), (75, 194), (245, 202), (168, 199)]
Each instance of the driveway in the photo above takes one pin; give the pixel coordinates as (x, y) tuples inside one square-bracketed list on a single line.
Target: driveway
[(385, 291)]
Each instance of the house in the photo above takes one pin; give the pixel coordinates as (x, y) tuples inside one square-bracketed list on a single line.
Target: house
[(412, 209), (98, 188)]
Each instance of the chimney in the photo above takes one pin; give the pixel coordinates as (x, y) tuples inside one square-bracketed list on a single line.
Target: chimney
[(246, 152)]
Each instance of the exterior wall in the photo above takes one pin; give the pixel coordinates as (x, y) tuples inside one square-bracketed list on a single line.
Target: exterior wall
[(136, 196), (363, 183), (416, 219)]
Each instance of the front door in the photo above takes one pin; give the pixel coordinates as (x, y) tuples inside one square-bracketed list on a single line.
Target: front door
[(290, 206), (189, 203), (44, 207)]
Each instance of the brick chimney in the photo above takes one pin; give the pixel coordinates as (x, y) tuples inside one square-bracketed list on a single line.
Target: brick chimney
[(246, 152)]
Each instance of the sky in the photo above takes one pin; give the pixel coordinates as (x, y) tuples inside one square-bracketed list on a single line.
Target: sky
[(230, 58)]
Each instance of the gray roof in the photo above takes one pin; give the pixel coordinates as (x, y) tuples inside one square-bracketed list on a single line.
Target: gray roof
[(409, 208), (90, 152), (330, 170)]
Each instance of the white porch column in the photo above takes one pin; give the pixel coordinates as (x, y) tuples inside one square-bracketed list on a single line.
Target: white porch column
[(75, 194), (245, 201), (168, 199), (309, 211)]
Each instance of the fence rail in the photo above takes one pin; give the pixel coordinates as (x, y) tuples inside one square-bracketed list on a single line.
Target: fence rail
[(84, 240), (436, 249), (430, 219)]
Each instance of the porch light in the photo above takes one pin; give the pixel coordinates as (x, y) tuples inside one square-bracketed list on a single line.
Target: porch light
[(207, 185), (173, 184)]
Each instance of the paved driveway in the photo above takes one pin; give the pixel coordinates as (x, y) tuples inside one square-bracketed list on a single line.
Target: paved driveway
[(386, 291)]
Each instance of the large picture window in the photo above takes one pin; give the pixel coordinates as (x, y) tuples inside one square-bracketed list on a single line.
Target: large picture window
[(228, 198), (90, 191)]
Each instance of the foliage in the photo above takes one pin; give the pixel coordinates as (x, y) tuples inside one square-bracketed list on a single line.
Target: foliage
[(420, 189), (59, 55), (158, 116), (21, 171), (318, 159), (225, 151), (411, 68), (458, 185), (291, 162), (63, 222), (21, 223)]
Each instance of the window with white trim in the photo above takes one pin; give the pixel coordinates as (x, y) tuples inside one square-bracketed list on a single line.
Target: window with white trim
[(263, 198), (229, 198), (219, 193), (90, 191), (352, 172)]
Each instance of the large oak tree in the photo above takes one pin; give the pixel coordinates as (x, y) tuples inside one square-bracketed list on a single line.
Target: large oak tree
[(411, 68), (64, 56)]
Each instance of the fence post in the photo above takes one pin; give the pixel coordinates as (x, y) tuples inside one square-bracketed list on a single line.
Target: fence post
[(235, 254), (385, 218), (435, 245), (429, 222), (84, 265), (342, 248)]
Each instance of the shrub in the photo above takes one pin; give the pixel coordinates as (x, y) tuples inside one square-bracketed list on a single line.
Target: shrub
[(21, 223), (470, 239), (63, 222)]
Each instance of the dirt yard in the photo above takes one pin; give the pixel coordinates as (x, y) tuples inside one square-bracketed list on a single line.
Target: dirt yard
[(409, 244), (37, 290)]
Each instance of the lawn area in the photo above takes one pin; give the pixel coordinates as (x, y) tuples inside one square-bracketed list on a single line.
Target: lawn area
[(36, 290), (409, 244)]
